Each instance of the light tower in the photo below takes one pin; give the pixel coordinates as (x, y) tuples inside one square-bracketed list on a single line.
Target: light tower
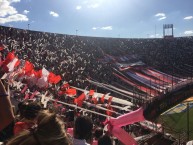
[(168, 31)]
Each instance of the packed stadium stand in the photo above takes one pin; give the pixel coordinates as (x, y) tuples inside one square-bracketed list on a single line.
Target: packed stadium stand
[(119, 75)]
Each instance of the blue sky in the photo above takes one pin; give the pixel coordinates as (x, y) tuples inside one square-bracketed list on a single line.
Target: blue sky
[(101, 18)]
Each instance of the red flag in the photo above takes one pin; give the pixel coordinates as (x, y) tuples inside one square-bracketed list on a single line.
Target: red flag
[(91, 92), (10, 63), (53, 79), (103, 99), (80, 99), (71, 92), (94, 100), (110, 99), (57, 79), (38, 74), (76, 101), (108, 112), (17, 63), (28, 68), (10, 56), (65, 86)]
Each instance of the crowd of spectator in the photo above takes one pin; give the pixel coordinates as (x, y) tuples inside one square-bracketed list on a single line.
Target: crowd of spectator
[(78, 58)]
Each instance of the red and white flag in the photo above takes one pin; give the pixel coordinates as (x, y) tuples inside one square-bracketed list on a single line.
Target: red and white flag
[(11, 65), (43, 81)]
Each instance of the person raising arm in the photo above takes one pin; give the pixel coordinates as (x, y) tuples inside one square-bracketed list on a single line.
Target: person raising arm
[(6, 113)]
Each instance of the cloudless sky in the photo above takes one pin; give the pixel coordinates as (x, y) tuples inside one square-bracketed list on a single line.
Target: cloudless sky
[(101, 18)]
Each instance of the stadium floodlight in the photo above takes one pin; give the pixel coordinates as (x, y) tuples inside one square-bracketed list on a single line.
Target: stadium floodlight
[(28, 26), (168, 31)]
